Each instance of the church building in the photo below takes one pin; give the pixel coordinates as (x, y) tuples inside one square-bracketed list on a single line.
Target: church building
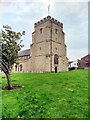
[(48, 52)]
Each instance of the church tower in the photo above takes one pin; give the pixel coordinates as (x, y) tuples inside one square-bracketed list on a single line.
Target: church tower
[(48, 49)]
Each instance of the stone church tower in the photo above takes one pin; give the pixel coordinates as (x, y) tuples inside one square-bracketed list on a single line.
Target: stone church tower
[(48, 49), (47, 52)]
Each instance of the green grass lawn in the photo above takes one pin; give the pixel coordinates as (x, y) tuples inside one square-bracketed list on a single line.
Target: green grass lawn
[(47, 95)]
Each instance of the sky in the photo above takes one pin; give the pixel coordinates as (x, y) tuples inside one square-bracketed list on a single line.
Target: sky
[(22, 14)]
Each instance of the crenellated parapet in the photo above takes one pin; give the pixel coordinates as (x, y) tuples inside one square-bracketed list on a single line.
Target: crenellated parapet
[(48, 18)]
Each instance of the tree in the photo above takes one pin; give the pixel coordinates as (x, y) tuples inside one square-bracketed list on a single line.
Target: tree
[(11, 44)]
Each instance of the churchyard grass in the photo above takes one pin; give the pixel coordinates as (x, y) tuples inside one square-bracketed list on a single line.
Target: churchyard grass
[(47, 95)]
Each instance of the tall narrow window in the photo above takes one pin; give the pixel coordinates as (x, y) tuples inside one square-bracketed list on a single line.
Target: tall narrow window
[(55, 59), (20, 67), (40, 30), (40, 48), (56, 31), (15, 67)]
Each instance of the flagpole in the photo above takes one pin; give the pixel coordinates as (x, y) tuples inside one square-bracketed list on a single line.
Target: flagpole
[(48, 9)]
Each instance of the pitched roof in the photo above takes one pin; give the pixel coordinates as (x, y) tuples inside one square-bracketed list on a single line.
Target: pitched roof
[(87, 56), (24, 53)]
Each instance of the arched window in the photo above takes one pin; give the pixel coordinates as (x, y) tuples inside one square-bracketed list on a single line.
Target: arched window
[(55, 59), (15, 67), (20, 67)]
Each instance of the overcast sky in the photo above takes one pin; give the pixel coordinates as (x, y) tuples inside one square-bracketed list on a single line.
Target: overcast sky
[(22, 14)]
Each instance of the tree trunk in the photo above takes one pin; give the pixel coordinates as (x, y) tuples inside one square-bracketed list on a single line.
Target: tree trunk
[(8, 81)]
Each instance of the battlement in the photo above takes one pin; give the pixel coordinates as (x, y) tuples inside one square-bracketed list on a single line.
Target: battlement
[(49, 18)]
